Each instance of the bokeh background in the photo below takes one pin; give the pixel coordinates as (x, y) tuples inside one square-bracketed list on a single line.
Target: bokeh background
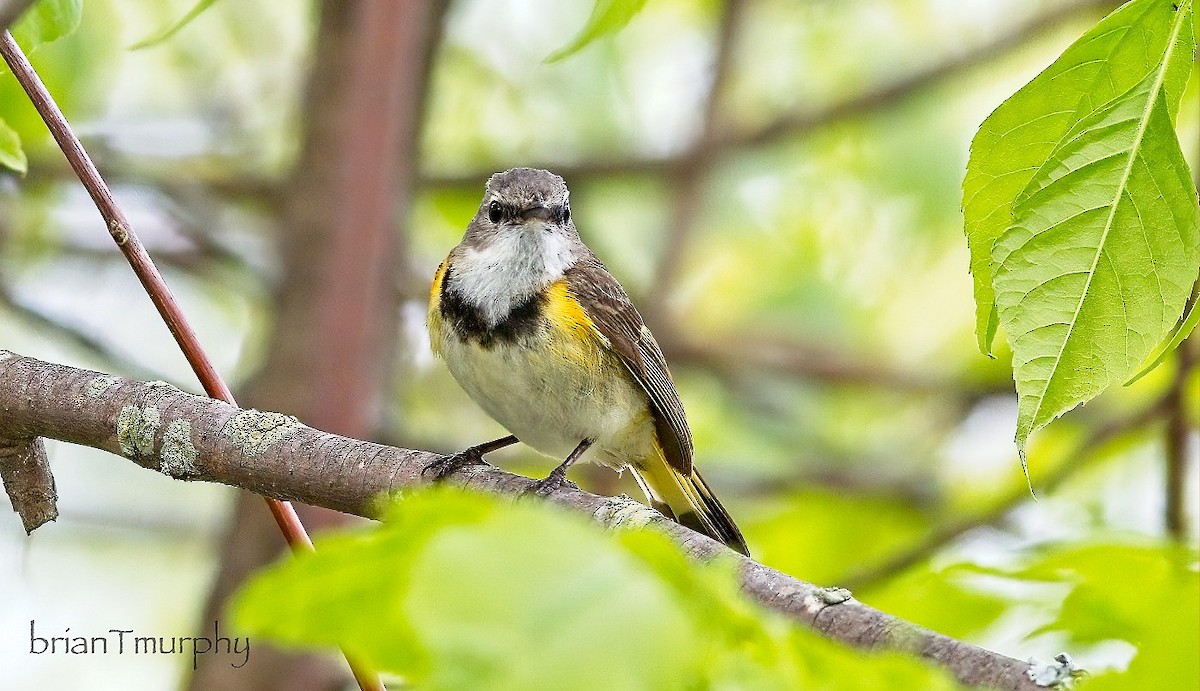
[(776, 182)]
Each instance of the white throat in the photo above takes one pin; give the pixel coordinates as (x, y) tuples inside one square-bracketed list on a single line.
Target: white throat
[(513, 265)]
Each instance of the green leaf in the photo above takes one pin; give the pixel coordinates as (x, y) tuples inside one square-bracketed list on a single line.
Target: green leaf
[(1098, 262), (12, 156), (1019, 136), (468, 592), (937, 599), (1146, 595), (608, 17), (1185, 328), (827, 535), (461, 590), (46, 21), (164, 34)]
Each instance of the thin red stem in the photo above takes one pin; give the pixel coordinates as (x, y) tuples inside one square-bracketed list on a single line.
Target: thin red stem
[(130, 246)]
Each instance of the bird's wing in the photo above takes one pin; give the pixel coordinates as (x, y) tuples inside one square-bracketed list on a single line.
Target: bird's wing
[(614, 316)]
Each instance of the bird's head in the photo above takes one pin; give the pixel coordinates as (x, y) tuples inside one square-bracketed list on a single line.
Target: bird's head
[(525, 201)]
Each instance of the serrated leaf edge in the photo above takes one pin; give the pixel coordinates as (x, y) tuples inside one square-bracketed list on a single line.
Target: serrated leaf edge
[(1155, 92)]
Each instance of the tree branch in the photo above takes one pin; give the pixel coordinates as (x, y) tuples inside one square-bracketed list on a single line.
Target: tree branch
[(71, 334), (1177, 440), (939, 536), (802, 121), (25, 473), (147, 273), (190, 437), (688, 180), (781, 356)]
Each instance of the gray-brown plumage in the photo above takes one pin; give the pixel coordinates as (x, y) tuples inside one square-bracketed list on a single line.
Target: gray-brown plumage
[(542, 336), (613, 313)]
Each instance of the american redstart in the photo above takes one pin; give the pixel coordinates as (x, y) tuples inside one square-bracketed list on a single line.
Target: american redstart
[(546, 341)]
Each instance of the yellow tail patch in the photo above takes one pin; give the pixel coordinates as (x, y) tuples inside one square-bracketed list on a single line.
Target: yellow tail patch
[(687, 499)]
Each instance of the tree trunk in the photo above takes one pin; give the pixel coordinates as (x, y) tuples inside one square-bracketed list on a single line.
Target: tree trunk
[(341, 240)]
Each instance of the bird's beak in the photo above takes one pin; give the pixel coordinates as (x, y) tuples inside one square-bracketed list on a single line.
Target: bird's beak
[(541, 212)]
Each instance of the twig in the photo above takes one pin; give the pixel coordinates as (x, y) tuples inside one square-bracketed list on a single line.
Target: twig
[(165, 527), (1177, 426), (181, 203), (195, 438), (74, 335), (796, 123), (189, 261), (118, 225), (238, 187), (781, 356), (938, 538), (688, 179), (25, 473), (129, 244), (1177, 440), (843, 475)]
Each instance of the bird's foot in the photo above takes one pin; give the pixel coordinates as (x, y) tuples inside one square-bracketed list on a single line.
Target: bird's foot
[(448, 465), (556, 480)]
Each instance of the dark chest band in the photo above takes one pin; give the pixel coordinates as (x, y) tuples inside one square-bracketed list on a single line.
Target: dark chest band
[(469, 323)]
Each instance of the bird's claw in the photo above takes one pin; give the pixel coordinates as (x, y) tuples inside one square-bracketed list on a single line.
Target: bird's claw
[(550, 484), (448, 465)]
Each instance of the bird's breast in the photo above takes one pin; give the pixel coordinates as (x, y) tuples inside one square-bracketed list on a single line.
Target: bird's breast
[(546, 374)]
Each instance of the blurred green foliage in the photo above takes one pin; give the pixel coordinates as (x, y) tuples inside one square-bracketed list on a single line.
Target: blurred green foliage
[(874, 426), (608, 17), (11, 153), (1147, 595), (45, 21), (174, 28), (460, 591)]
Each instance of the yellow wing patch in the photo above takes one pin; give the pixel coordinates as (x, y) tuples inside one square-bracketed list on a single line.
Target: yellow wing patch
[(433, 320), (564, 312), (435, 290), (573, 335)]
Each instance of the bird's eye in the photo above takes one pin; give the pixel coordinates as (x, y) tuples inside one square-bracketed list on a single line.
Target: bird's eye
[(495, 212), (566, 213)]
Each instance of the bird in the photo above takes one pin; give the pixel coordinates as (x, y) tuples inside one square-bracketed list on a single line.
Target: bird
[(541, 336)]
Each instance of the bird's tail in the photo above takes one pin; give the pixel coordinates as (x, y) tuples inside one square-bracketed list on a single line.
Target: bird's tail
[(687, 499)]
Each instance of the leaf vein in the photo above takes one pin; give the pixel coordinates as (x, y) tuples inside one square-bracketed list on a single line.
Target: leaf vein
[(1121, 189)]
